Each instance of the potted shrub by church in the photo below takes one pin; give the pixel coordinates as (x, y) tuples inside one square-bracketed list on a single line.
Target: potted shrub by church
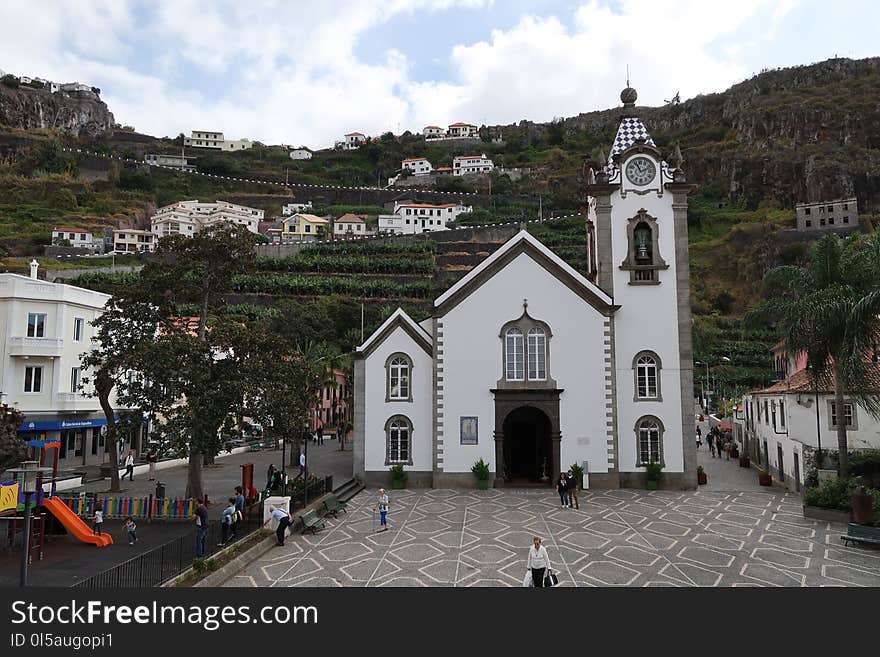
[(481, 473)]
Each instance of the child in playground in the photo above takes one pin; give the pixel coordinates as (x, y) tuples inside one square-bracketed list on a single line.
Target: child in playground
[(131, 528), (98, 518)]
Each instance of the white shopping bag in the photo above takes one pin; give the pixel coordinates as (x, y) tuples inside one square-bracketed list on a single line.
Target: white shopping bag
[(527, 580)]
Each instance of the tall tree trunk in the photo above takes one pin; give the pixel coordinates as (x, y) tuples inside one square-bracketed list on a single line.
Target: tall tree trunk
[(194, 487), (104, 386), (842, 446)]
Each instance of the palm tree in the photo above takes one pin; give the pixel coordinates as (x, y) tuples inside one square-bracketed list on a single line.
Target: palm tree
[(829, 311)]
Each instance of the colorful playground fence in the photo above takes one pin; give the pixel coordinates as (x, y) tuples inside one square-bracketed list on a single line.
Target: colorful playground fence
[(137, 507)]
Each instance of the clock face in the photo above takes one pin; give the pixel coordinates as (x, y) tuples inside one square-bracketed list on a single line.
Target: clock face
[(640, 170)]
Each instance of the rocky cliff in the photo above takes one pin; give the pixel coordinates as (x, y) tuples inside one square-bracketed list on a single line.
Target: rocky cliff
[(798, 134), (80, 114)]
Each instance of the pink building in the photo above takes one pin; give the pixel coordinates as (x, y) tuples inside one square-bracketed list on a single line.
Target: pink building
[(332, 409)]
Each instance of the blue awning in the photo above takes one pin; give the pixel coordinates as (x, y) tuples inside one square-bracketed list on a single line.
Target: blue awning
[(52, 425)]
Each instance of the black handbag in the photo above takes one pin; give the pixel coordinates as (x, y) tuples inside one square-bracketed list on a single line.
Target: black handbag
[(550, 580)]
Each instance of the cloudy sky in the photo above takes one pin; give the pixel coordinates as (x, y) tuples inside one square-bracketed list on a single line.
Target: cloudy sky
[(307, 71)]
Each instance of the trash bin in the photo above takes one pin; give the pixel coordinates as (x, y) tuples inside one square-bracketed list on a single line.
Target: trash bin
[(328, 484), (160, 490)]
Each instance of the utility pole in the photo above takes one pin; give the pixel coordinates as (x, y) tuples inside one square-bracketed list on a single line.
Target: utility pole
[(362, 322)]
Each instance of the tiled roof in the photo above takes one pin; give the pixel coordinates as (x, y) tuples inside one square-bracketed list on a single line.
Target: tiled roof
[(427, 205), (800, 381), (349, 218), (69, 230), (416, 159), (461, 125), (629, 131)]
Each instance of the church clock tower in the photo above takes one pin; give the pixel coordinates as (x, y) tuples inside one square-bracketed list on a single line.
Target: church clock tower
[(638, 254)]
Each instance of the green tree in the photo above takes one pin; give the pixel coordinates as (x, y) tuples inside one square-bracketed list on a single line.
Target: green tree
[(828, 310), (12, 448)]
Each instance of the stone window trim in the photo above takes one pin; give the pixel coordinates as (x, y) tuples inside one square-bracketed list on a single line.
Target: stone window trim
[(630, 263), (409, 450), (658, 365), (524, 323), (645, 419), (855, 417), (409, 370)]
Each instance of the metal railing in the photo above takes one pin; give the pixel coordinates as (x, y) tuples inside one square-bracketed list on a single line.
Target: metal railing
[(172, 558)]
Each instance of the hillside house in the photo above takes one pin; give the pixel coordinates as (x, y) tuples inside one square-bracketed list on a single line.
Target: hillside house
[(465, 164), (462, 131), (417, 166), (130, 240), (189, 217), (826, 215), (348, 226), (353, 140), (412, 218), (433, 132), (300, 154), (302, 227), (77, 237)]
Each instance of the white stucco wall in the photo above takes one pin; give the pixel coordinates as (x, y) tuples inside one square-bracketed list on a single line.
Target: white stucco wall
[(647, 320), (472, 363), (377, 410)]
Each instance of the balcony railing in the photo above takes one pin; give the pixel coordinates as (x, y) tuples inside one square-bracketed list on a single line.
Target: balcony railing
[(45, 347)]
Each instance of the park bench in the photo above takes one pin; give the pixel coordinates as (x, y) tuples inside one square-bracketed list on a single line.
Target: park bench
[(311, 521), (333, 505), (255, 445), (861, 534)]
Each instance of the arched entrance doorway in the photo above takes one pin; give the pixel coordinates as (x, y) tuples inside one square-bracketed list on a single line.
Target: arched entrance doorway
[(528, 456)]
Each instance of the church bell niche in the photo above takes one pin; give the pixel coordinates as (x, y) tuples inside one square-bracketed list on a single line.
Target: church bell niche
[(643, 259), (643, 244)]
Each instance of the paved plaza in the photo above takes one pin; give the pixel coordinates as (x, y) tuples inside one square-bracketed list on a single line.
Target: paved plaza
[(617, 538)]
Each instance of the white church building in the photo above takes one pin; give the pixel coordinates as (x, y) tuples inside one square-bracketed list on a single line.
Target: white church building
[(532, 366)]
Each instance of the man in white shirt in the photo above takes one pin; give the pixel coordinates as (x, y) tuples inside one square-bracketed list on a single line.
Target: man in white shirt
[(129, 466), (302, 464), (284, 521), (538, 562)]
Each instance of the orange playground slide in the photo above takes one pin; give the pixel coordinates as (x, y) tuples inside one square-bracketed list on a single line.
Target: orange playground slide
[(74, 524)]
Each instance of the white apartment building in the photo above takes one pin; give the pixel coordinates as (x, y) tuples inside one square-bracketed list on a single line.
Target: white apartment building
[(433, 132), (77, 237), (464, 164), (300, 154), (204, 139), (353, 140), (294, 208), (215, 140), (462, 131), (179, 162), (129, 240), (418, 166), (189, 217), (44, 329), (412, 218)]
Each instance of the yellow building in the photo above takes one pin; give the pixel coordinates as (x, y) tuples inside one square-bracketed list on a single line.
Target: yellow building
[(304, 228)]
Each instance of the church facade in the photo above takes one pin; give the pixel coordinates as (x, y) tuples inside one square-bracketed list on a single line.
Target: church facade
[(532, 367)]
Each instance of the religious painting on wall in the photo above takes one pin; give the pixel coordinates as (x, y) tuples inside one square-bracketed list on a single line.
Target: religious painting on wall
[(468, 430)]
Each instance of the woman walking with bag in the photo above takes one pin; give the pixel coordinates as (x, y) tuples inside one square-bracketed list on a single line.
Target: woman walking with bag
[(538, 563)]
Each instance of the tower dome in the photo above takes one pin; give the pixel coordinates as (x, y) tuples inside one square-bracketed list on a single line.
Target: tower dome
[(628, 97)]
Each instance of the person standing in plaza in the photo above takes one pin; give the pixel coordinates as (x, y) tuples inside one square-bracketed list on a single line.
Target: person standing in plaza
[(538, 562), (571, 485), (383, 510), (270, 474), (284, 521), (129, 466), (710, 439), (152, 457), (562, 489), (302, 464), (201, 519), (321, 435), (228, 522)]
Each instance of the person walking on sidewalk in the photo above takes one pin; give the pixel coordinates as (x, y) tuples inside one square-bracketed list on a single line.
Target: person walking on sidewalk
[(383, 510), (571, 485), (710, 439), (152, 457), (129, 466), (284, 521), (562, 489), (538, 562)]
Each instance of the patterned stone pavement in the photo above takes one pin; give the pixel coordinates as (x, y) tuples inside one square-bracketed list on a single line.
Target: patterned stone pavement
[(616, 538)]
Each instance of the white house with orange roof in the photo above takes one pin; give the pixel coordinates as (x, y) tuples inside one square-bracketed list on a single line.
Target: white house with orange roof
[(433, 132), (349, 225), (412, 218), (465, 164), (417, 166), (462, 131), (353, 140)]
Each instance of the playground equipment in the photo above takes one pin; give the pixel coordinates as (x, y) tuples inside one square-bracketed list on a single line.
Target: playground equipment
[(74, 524)]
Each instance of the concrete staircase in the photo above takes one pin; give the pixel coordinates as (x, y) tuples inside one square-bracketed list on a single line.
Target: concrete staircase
[(348, 490)]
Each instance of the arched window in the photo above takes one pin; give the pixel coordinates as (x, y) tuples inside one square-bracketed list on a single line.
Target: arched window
[(537, 354), (646, 366), (399, 368), (514, 370), (649, 437), (398, 441)]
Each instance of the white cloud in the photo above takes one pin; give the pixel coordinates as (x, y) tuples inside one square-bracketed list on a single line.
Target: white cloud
[(282, 71)]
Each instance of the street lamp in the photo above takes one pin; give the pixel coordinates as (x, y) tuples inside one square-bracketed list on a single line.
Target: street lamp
[(29, 471)]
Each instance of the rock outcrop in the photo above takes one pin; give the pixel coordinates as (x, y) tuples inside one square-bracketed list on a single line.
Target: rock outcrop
[(77, 113)]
